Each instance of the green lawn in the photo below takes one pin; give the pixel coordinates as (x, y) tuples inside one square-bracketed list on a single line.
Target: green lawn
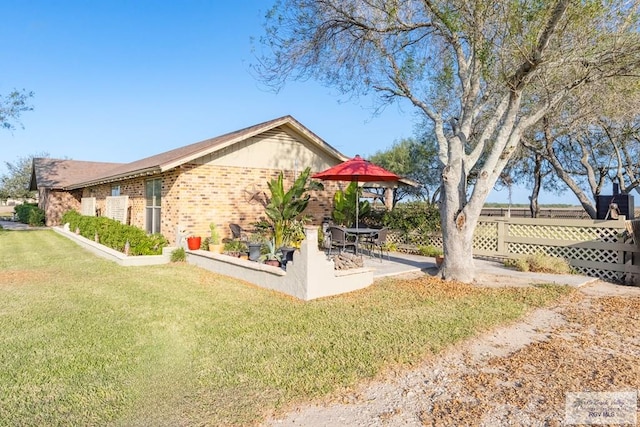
[(86, 342)]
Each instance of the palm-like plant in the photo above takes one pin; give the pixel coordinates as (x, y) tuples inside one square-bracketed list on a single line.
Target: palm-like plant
[(272, 252), (285, 205), (344, 205)]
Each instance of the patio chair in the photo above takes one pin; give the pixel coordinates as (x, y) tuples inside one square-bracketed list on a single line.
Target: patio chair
[(238, 233), (378, 241), (341, 239)]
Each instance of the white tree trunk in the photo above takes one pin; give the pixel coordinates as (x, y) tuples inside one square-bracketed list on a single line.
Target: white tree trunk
[(458, 248)]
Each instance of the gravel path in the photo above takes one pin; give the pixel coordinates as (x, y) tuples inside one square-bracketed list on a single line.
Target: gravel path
[(515, 375)]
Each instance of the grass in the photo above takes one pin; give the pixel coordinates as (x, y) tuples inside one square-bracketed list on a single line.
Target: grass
[(84, 341)]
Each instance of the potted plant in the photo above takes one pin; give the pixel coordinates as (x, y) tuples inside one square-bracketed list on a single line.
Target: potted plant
[(255, 246), (285, 205), (205, 244), (235, 248), (293, 237), (194, 242), (214, 240), (272, 256)]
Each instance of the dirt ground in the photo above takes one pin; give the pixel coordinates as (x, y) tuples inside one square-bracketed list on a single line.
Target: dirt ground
[(515, 375)]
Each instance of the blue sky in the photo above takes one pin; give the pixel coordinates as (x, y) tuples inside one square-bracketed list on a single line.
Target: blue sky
[(120, 80)]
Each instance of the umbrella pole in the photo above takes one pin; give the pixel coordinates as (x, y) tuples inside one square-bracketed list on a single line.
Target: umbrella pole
[(357, 203)]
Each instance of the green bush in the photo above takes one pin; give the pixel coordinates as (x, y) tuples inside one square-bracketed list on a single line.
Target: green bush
[(115, 235), (420, 217), (23, 213), (429, 250), (36, 217), (178, 255)]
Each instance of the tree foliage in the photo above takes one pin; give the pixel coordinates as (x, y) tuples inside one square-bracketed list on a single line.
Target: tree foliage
[(15, 183), (585, 144), (12, 106), (416, 160), (481, 72)]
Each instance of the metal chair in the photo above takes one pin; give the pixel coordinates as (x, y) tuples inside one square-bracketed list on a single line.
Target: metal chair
[(379, 241), (341, 239), (238, 233)]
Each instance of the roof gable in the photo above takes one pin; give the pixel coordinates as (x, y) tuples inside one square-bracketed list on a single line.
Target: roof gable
[(171, 159)]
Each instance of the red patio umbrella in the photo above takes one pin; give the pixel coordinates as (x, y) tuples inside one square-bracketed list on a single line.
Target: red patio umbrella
[(358, 170)]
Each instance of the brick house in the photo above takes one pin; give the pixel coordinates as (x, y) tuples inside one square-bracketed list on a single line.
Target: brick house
[(219, 180)]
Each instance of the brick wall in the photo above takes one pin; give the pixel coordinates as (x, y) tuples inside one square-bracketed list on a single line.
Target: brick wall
[(222, 195), (55, 203), (134, 188), (193, 196)]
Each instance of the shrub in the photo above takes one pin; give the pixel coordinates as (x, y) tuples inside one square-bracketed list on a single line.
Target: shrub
[(36, 217), (115, 235), (413, 216), (540, 263), (178, 255), (30, 213), (235, 247), (429, 250), (390, 247), (204, 245)]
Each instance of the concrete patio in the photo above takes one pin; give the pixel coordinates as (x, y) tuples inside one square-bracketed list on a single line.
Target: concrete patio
[(488, 273)]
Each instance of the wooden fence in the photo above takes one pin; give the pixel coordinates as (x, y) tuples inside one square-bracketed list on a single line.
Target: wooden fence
[(602, 249)]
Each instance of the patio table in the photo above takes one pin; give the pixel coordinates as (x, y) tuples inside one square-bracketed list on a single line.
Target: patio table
[(357, 231)]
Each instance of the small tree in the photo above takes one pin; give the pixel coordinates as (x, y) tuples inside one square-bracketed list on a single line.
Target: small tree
[(286, 205), (15, 183), (416, 159)]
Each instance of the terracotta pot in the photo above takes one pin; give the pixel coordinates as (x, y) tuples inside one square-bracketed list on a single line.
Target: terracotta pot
[(194, 242), (273, 262)]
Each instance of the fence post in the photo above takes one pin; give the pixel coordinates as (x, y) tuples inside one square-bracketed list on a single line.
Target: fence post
[(502, 227)]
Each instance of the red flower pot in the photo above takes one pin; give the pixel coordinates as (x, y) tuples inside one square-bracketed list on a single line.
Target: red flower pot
[(194, 242)]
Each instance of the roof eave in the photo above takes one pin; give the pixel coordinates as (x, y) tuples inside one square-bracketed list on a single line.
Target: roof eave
[(120, 177)]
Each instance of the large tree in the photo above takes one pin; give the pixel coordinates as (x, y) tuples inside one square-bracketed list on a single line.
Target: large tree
[(11, 106), (483, 72)]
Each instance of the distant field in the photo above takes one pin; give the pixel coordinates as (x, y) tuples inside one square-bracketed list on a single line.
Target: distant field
[(523, 205)]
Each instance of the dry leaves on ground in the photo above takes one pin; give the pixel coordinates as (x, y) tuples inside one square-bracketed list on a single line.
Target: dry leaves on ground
[(598, 349)]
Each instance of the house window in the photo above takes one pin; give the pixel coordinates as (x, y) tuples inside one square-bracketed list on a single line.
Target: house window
[(115, 190), (153, 203)]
